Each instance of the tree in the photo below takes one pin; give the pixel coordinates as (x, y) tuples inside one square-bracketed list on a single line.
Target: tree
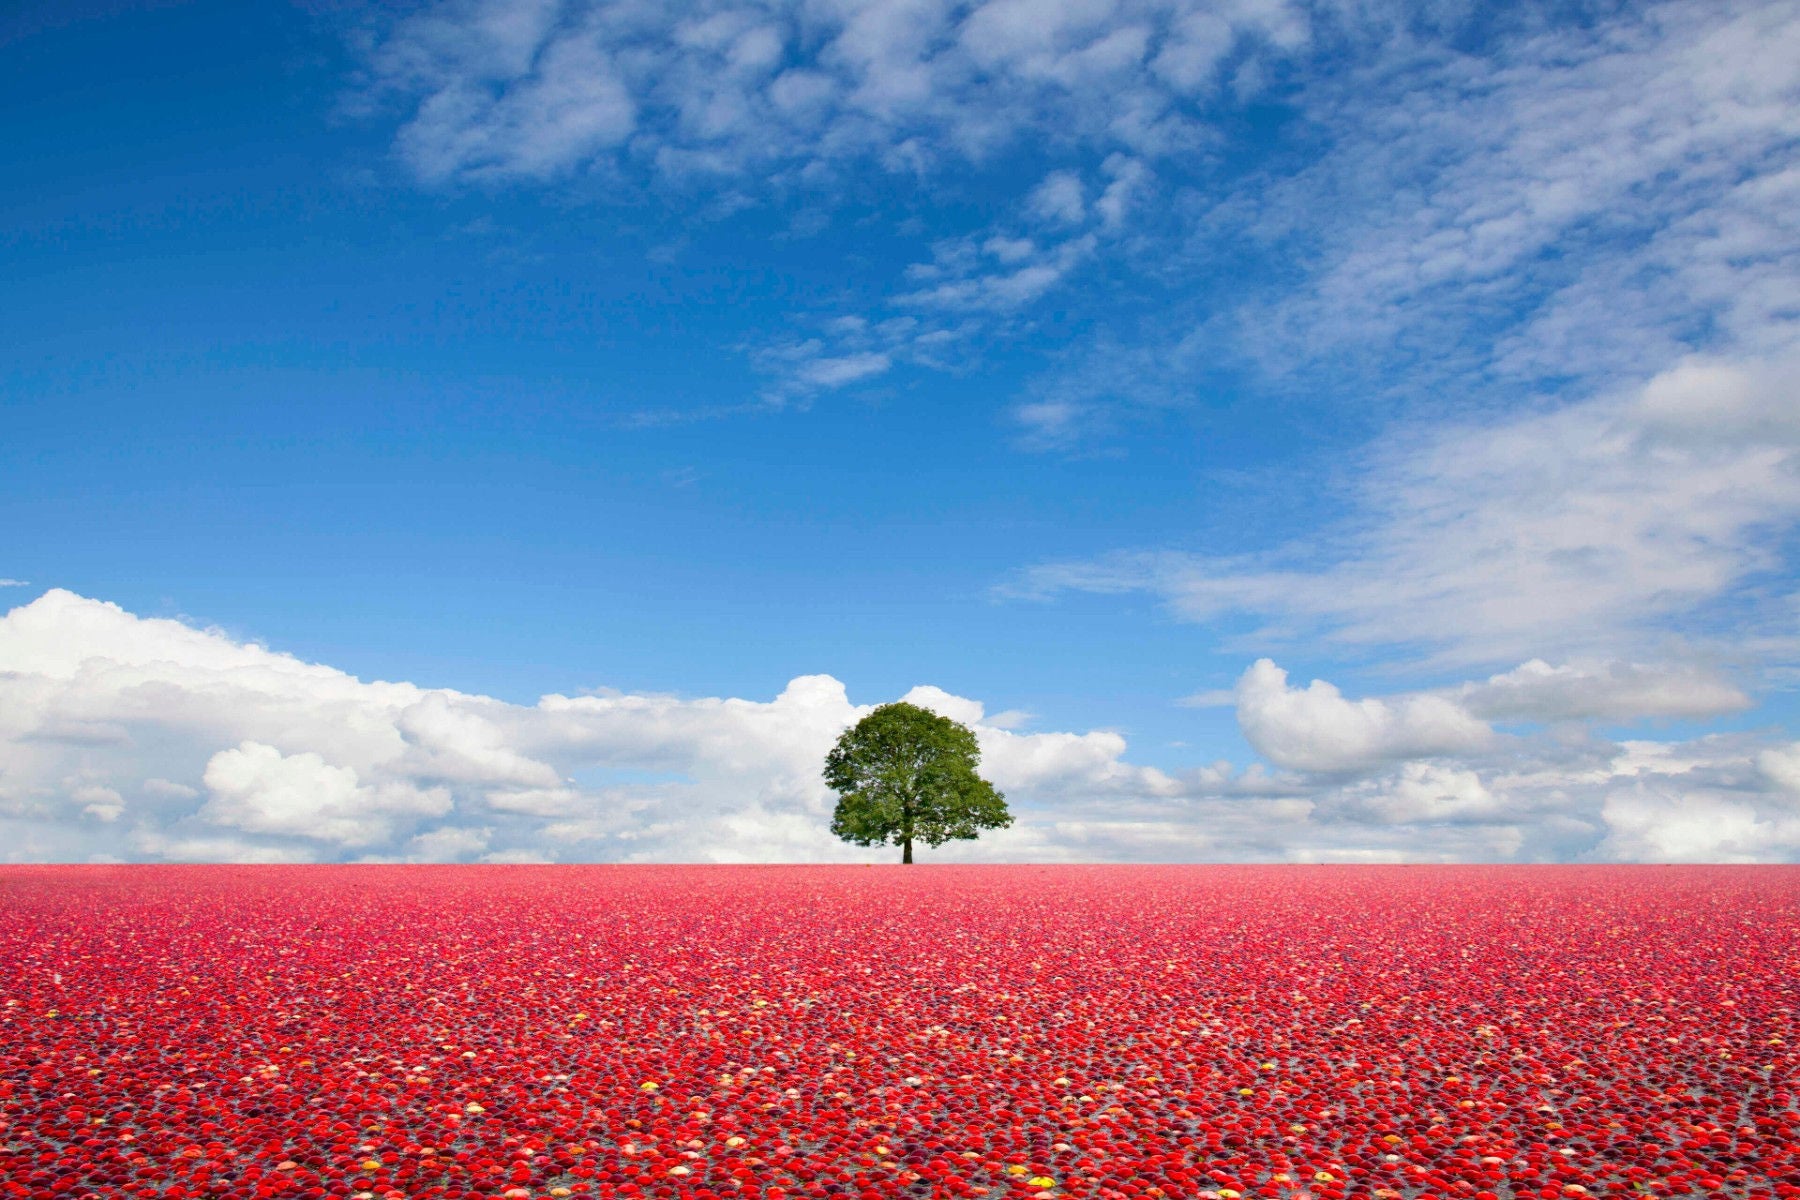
[(904, 772)]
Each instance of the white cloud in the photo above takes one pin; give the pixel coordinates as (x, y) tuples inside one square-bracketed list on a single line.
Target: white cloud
[(1058, 199), (1575, 531), (14, 583), (1424, 772), (1655, 822), (258, 789), (1614, 193), (219, 748), (525, 89), (151, 844), (1557, 204), (1316, 729), (996, 282), (1128, 178), (1781, 766), (232, 751), (453, 739), (101, 803), (848, 368), (1537, 691), (448, 844), (937, 700), (1585, 199), (1423, 792)]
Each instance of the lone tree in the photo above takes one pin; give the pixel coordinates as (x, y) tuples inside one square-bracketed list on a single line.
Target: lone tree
[(904, 772)]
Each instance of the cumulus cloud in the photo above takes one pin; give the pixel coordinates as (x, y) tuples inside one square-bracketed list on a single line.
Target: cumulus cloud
[(1423, 792), (1316, 729), (1781, 766), (1420, 776), (226, 750), (1656, 822), (101, 803), (218, 748), (957, 708), (258, 789)]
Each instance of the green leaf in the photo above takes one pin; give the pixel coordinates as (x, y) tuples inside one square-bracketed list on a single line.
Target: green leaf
[(905, 774)]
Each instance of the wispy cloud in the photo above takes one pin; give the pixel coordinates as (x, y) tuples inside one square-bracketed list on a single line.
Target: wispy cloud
[(1558, 209), (1581, 530), (1548, 199), (1554, 199), (1590, 201), (972, 291), (15, 583)]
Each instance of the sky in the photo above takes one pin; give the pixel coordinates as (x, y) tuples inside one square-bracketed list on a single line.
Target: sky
[(533, 430)]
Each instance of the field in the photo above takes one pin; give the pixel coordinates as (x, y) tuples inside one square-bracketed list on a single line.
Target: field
[(377, 1032)]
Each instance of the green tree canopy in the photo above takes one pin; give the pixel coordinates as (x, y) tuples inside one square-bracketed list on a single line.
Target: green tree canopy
[(904, 772)]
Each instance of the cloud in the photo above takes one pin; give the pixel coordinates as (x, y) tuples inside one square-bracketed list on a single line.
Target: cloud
[(1536, 197), (1466, 220), (233, 751), (1129, 177), (848, 368), (993, 274), (847, 350), (1577, 200), (14, 583), (974, 290), (1316, 729), (937, 700), (1781, 766), (448, 844), (1620, 691), (1575, 531), (222, 748), (1392, 792), (1427, 793), (1059, 199), (570, 106), (1656, 822), (524, 89), (101, 803), (258, 789), (718, 105)]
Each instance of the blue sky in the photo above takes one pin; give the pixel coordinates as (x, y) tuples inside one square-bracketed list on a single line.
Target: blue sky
[(1071, 357)]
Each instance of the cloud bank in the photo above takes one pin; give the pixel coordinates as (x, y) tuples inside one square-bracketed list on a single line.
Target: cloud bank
[(126, 738), (142, 738)]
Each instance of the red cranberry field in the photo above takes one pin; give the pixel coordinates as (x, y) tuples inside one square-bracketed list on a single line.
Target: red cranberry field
[(522, 1032)]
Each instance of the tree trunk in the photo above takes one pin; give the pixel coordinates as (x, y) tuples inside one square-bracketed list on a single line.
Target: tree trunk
[(906, 857)]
